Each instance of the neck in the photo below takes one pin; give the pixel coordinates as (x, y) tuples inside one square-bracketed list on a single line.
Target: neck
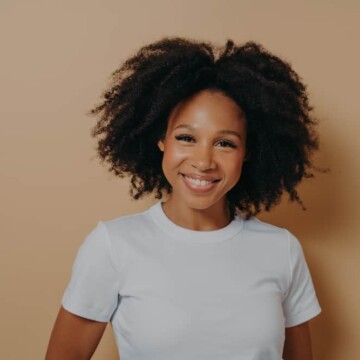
[(212, 218)]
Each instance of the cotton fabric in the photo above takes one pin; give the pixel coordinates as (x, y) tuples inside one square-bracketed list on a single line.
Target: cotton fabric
[(175, 293)]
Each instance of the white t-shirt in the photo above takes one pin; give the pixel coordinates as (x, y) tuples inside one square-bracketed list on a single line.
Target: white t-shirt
[(173, 293)]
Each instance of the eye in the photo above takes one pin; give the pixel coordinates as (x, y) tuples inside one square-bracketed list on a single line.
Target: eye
[(228, 144), (183, 138)]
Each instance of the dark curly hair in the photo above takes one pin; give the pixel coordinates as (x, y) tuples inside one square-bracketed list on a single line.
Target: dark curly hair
[(145, 88)]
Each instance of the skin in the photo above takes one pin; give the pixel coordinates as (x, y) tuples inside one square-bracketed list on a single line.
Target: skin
[(203, 151), (297, 344), (74, 337)]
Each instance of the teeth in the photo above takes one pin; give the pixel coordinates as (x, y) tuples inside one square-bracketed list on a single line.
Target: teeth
[(198, 182)]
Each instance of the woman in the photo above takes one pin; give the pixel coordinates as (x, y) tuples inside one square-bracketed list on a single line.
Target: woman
[(223, 132)]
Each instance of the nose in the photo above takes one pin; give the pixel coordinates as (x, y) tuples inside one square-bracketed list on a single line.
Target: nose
[(203, 158)]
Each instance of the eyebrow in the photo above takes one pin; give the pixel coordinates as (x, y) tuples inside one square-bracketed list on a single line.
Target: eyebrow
[(222, 132)]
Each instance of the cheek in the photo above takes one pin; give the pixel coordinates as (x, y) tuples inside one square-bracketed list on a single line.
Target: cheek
[(173, 156), (234, 168)]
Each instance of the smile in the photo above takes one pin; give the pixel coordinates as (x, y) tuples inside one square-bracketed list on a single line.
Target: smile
[(199, 185)]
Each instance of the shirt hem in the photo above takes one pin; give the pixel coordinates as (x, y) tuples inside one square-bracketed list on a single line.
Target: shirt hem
[(83, 311), (303, 316)]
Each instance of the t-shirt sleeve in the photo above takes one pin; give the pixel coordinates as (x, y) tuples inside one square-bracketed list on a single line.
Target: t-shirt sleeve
[(300, 302), (93, 288)]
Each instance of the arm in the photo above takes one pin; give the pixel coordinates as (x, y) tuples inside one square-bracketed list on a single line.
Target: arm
[(74, 337), (297, 344)]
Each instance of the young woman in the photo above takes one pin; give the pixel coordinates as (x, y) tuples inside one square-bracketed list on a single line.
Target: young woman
[(222, 133)]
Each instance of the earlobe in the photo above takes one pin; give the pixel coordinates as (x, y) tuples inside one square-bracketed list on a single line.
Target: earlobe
[(160, 144)]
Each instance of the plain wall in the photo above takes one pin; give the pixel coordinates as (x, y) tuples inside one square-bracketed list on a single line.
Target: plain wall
[(56, 59)]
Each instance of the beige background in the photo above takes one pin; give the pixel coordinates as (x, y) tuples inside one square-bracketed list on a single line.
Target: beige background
[(56, 58)]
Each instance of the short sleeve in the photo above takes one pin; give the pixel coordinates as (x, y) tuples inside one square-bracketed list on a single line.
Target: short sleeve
[(93, 288), (300, 302)]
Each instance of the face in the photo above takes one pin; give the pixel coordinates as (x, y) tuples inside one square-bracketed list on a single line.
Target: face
[(204, 150)]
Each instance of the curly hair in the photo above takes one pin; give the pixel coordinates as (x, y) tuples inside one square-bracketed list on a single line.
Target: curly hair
[(135, 108)]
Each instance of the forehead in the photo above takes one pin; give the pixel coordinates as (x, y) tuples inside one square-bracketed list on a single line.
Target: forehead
[(209, 108)]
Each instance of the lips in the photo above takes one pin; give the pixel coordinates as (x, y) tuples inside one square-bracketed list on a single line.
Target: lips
[(200, 186), (200, 177)]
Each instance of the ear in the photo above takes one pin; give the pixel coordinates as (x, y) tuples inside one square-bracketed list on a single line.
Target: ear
[(160, 145)]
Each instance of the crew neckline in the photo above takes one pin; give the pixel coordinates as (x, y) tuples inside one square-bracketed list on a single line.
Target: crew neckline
[(187, 235)]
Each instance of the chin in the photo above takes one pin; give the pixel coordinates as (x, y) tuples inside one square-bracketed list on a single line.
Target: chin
[(201, 204)]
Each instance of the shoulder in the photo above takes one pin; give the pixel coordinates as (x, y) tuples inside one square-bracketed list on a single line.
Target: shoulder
[(125, 218), (267, 236), (125, 224), (256, 225)]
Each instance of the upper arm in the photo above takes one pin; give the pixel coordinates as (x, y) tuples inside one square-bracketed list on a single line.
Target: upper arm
[(297, 344), (74, 337), (89, 300)]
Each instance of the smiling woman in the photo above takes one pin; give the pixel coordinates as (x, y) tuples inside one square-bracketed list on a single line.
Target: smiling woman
[(204, 163), (222, 133)]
